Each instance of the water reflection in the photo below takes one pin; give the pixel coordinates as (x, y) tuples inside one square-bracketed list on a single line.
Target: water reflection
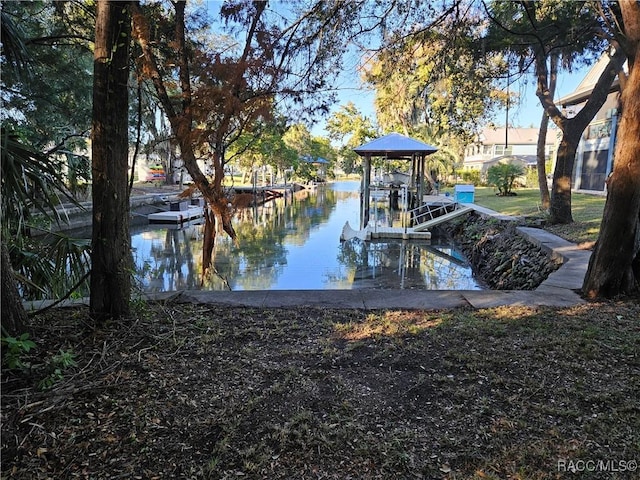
[(294, 243)]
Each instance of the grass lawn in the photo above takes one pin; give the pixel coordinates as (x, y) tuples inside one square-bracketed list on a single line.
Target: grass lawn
[(586, 209)]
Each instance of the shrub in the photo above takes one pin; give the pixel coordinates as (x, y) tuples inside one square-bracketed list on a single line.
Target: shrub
[(503, 176), (470, 176)]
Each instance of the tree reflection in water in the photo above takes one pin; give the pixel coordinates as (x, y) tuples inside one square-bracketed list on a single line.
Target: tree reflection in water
[(294, 243)]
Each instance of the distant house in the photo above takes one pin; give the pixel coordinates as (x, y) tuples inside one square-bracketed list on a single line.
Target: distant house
[(499, 145), (594, 158)]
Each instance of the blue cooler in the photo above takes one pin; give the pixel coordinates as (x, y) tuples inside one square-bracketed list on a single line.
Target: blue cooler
[(464, 193)]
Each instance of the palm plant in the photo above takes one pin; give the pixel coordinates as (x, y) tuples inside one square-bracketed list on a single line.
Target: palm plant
[(503, 176), (32, 190)]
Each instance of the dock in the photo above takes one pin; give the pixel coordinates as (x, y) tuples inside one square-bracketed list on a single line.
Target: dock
[(374, 232), (424, 218), (408, 233), (193, 212), (264, 194)]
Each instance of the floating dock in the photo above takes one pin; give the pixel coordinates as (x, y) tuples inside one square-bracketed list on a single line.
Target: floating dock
[(427, 216), (373, 232), (407, 233), (193, 212)]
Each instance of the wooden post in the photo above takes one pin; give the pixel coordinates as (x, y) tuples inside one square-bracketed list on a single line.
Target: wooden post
[(365, 191), (421, 181)]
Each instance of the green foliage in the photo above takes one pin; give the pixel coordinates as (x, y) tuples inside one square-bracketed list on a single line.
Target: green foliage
[(435, 76), (470, 176), (299, 139), (32, 190), (531, 178), (351, 129), (570, 29), (263, 145), (14, 350), (503, 177), (57, 366), (47, 107), (51, 97)]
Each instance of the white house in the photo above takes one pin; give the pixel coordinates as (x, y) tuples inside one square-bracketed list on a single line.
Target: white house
[(494, 144), (594, 158)]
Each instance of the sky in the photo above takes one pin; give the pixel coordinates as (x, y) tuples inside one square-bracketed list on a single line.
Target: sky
[(527, 113)]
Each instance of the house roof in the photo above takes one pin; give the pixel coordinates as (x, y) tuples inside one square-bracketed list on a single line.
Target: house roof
[(394, 145), (586, 86), (515, 136)]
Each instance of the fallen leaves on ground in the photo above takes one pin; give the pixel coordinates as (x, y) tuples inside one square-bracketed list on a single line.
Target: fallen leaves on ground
[(205, 391)]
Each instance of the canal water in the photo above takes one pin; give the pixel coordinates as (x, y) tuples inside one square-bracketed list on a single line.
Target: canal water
[(294, 243)]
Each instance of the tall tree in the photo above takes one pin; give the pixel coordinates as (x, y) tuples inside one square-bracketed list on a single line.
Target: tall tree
[(541, 160), (32, 182), (351, 128), (51, 98), (614, 267), (436, 75), (537, 32), (111, 243), (212, 95)]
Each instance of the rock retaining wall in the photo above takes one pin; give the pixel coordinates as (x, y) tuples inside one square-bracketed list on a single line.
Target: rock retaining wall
[(501, 258)]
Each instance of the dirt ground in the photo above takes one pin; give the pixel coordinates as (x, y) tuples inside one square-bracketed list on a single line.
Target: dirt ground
[(203, 391)]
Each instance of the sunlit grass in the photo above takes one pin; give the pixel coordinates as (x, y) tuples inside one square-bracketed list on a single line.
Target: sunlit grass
[(586, 210), (387, 324)]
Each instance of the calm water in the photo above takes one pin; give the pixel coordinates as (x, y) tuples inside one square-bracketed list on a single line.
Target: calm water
[(294, 244)]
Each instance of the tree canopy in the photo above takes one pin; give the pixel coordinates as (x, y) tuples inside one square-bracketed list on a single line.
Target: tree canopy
[(242, 79)]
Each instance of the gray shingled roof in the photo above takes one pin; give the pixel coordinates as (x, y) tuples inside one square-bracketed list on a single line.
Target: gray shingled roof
[(588, 83), (394, 145)]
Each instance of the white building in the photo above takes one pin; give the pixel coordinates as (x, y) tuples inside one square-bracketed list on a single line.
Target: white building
[(495, 144), (594, 158)]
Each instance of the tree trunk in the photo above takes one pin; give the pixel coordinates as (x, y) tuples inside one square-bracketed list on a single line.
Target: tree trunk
[(572, 129), (111, 242), (545, 200), (560, 208), (614, 267), (181, 119), (14, 317)]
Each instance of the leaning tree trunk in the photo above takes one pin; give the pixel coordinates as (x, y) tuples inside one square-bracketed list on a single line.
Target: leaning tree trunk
[(182, 124), (545, 199), (572, 129), (111, 261), (614, 267), (14, 316), (560, 208)]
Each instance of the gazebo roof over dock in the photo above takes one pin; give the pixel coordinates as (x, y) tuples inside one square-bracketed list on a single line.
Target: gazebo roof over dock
[(394, 145)]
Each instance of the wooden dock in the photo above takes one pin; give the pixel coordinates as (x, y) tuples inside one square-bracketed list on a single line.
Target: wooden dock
[(264, 194), (260, 195)]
